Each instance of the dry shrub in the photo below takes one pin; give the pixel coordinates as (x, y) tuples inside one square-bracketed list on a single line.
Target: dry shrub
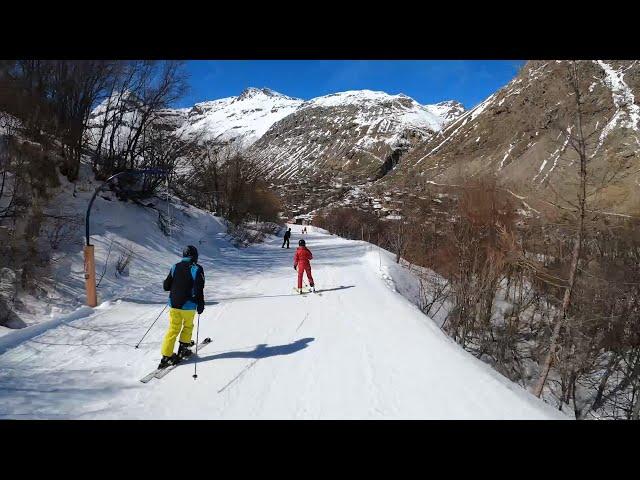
[(351, 223), (124, 260)]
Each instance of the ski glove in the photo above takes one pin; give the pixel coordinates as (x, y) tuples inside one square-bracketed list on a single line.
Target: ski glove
[(295, 268), (200, 308)]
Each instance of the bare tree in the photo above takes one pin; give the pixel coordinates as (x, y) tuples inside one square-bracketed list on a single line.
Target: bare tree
[(124, 132), (575, 134), (397, 237)]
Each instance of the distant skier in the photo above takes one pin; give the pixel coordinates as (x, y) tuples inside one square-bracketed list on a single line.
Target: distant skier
[(304, 230), (301, 263), (186, 284), (287, 235)]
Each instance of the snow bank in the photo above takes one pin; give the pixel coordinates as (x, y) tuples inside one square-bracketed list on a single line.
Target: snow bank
[(15, 337), (115, 227), (397, 277)]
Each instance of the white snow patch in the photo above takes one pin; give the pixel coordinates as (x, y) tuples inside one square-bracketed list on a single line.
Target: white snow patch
[(627, 113), (554, 156), (511, 145)]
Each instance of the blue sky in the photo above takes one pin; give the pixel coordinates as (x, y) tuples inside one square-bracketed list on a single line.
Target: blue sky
[(427, 81)]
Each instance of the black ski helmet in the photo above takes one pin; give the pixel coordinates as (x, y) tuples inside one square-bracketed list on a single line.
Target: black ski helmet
[(302, 243), (191, 252)]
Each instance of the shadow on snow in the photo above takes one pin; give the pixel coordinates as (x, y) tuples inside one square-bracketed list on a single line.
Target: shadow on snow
[(261, 351)]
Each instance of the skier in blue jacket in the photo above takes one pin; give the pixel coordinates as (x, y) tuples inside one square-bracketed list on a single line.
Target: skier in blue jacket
[(185, 283)]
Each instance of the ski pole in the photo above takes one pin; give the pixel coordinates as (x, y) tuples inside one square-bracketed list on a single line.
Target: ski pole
[(154, 322), (195, 365)]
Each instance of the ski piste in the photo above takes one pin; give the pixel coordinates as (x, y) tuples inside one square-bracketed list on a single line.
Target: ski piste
[(385, 362), (161, 372)]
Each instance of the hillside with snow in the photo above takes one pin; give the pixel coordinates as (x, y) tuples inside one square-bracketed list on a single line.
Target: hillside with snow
[(320, 145), (241, 120), (354, 132), (516, 134), (355, 350), (237, 121)]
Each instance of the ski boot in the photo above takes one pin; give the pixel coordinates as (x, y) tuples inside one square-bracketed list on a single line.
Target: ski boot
[(184, 350), (165, 362)]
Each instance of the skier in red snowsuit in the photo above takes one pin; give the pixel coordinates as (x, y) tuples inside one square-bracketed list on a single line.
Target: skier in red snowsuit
[(301, 264)]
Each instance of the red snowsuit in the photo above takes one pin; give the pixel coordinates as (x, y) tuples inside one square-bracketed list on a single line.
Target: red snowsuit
[(301, 263)]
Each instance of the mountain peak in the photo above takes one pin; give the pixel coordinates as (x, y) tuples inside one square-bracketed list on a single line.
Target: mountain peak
[(251, 92), (451, 104), (447, 110)]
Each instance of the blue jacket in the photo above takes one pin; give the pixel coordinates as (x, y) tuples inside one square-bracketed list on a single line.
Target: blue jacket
[(185, 283)]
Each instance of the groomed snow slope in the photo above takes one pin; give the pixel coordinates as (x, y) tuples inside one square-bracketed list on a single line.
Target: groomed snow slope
[(357, 350)]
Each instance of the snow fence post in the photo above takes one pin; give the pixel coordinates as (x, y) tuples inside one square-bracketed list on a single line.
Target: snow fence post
[(90, 275), (89, 255)]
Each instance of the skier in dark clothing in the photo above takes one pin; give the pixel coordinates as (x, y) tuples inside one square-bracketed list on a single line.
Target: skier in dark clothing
[(185, 283), (287, 235)]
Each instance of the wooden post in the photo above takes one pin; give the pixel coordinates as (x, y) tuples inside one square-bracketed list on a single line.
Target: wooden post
[(90, 275)]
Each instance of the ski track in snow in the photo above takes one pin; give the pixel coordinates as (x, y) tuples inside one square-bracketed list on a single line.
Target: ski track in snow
[(359, 350)]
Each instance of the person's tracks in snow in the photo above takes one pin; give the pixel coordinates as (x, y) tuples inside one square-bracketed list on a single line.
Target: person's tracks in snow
[(252, 363), (246, 367), (222, 310), (237, 377), (302, 322)]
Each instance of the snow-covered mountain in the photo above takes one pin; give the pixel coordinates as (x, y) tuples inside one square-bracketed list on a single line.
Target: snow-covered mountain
[(241, 120), (355, 132), (361, 133), (514, 134)]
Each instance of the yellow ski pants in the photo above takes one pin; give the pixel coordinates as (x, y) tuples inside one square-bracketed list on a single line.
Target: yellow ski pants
[(179, 320)]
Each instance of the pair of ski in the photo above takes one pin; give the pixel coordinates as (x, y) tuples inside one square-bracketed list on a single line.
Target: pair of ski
[(305, 289), (161, 372)]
